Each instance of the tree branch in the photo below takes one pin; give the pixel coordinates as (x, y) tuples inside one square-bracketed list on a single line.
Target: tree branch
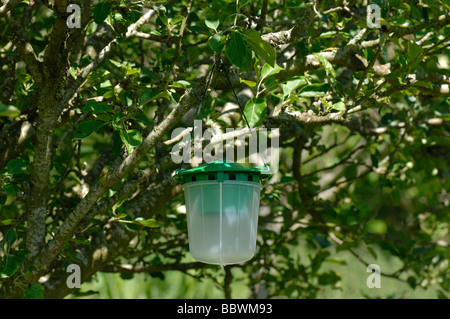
[(81, 78), (262, 20), (54, 70), (116, 173), (26, 50), (111, 241), (293, 34)]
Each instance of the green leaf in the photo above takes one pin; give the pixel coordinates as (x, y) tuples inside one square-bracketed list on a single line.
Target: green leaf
[(401, 60), (318, 260), (10, 189), (212, 24), (20, 255), (96, 107), (72, 72), (193, 54), (248, 83), (374, 159), (268, 70), (235, 49), (293, 3), (73, 257), (338, 106), (176, 19), (101, 11), (372, 252), (129, 225), (7, 222), (286, 179), (329, 278), (17, 166), (345, 246), (328, 66), (400, 22), (255, 111), (8, 110), (85, 129), (10, 237), (150, 95), (291, 86), (8, 266), (122, 215), (34, 291), (152, 223), (424, 84), (314, 90), (271, 83), (118, 64), (261, 48), (132, 15), (164, 19), (131, 139), (337, 262), (81, 240), (217, 42), (181, 84), (378, 226), (328, 34), (248, 62), (117, 121), (414, 50)]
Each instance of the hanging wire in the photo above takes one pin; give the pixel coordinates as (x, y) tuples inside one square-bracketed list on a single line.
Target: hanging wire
[(206, 89), (223, 68), (200, 108), (225, 71)]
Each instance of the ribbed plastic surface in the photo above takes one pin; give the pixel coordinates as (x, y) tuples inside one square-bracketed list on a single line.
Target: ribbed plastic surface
[(222, 220)]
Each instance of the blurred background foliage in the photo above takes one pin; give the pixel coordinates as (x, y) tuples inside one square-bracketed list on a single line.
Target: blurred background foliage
[(363, 176), (176, 285)]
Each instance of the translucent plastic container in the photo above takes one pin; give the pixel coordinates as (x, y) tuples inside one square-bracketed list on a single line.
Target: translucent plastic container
[(222, 220)]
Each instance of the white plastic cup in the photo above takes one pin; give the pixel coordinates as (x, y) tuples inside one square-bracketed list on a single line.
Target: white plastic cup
[(222, 220)]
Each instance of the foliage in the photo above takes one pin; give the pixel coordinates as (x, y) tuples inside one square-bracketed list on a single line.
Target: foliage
[(86, 116)]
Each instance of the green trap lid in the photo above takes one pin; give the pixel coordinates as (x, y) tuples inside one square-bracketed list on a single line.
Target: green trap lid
[(221, 167)]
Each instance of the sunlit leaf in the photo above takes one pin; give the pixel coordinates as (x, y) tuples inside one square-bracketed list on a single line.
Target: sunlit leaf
[(268, 71), (260, 47), (8, 266), (8, 110), (131, 138), (235, 49), (212, 24), (328, 66), (255, 111)]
